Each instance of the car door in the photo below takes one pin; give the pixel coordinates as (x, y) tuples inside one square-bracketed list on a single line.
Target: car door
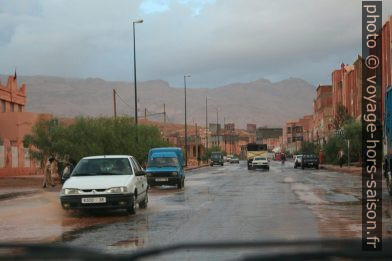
[(140, 184), (144, 183)]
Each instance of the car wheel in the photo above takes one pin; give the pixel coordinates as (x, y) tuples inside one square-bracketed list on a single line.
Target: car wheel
[(132, 209), (179, 184), (302, 166), (144, 203), (317, 166), (221, 164), (295, 165)]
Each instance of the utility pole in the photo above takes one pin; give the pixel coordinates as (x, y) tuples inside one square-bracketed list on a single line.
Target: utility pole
[(114, 104), (134, 74), (145, 113), (348, 152), (217, 126), (164, 120), (186, 133), (206, 125), (224, 129), (197, 145)]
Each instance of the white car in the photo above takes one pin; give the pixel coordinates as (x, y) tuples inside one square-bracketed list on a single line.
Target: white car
[(297, 161), (260, 162), (106, 182)]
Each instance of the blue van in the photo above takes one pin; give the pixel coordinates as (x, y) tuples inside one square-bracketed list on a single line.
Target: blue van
[(165, 166)]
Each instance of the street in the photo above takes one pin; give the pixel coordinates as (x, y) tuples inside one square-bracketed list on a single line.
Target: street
[(218, 203)]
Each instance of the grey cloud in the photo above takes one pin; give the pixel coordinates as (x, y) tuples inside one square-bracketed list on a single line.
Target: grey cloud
[(227, 41)]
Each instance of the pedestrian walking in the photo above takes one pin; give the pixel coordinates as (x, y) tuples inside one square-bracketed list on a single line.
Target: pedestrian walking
[(48, 173), (340, 157), (54, 172)]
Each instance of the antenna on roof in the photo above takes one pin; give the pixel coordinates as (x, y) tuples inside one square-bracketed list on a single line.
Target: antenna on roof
[(15, 76)]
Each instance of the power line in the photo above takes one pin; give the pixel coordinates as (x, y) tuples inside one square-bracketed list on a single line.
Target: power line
[(121, 99)]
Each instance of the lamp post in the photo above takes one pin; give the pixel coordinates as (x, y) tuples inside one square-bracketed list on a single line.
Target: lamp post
[(134, 73), (186, 131), (206, 124)]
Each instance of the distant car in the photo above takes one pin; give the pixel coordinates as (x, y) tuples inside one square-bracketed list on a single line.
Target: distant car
[(234, 159), (227, 158), (106, 182), (310, 161), (297, 161), (216, 159), (260, 163)]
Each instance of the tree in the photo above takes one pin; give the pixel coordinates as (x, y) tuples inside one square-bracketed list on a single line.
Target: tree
[(309, 148), (352, 131), (93, 136), (341, 117)]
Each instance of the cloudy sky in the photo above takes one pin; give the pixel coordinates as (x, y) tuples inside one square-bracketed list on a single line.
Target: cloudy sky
[(216, 41)]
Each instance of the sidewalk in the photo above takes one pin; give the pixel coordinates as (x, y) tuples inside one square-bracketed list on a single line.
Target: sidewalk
[(16, 186), (346, 169)]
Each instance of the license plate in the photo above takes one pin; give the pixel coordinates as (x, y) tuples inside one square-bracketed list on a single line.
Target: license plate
[(93, 200), (161, 179)]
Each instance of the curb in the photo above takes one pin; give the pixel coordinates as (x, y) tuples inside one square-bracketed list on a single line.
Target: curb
[(343, 169)]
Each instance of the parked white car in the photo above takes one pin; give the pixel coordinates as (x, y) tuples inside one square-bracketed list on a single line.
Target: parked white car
[(260, 162), (297, 161), (106, 182)]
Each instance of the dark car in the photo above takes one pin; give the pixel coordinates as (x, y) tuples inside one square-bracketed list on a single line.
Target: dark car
[(310, 161), (216, 158)]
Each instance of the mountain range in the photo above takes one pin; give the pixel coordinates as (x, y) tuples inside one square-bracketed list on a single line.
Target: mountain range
[(262, 102)]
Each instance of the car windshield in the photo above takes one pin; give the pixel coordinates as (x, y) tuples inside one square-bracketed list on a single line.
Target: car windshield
[(216, 156), (163, 162), (259, 158), (103, 166), (309, 156)]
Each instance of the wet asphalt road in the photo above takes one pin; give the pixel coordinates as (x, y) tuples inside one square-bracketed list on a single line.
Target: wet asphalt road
[(230, 202)]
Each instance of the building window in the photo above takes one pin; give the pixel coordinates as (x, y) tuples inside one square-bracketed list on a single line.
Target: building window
[(2, 106), (19, 107), (11, 107)]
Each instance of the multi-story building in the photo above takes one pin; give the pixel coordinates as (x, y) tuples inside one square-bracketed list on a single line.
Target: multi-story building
[(270, 136), (386, 57), (15, 123), (347, 88), (322, 114), (297, 131)]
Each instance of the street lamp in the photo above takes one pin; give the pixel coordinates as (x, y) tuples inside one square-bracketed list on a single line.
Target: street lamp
[(134, 73), (186, 131)]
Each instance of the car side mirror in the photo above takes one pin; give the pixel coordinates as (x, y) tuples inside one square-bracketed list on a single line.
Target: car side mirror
[(140, 173)]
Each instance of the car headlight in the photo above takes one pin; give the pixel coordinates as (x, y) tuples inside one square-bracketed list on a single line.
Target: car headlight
[(70, 191), (174, 173), (117, 190)]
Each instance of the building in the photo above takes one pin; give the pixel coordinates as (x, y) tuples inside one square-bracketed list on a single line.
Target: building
[(263, 133), (15, 123), (386, 58), (12, 97), (295, 132), (347, 88), (322, 115)]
